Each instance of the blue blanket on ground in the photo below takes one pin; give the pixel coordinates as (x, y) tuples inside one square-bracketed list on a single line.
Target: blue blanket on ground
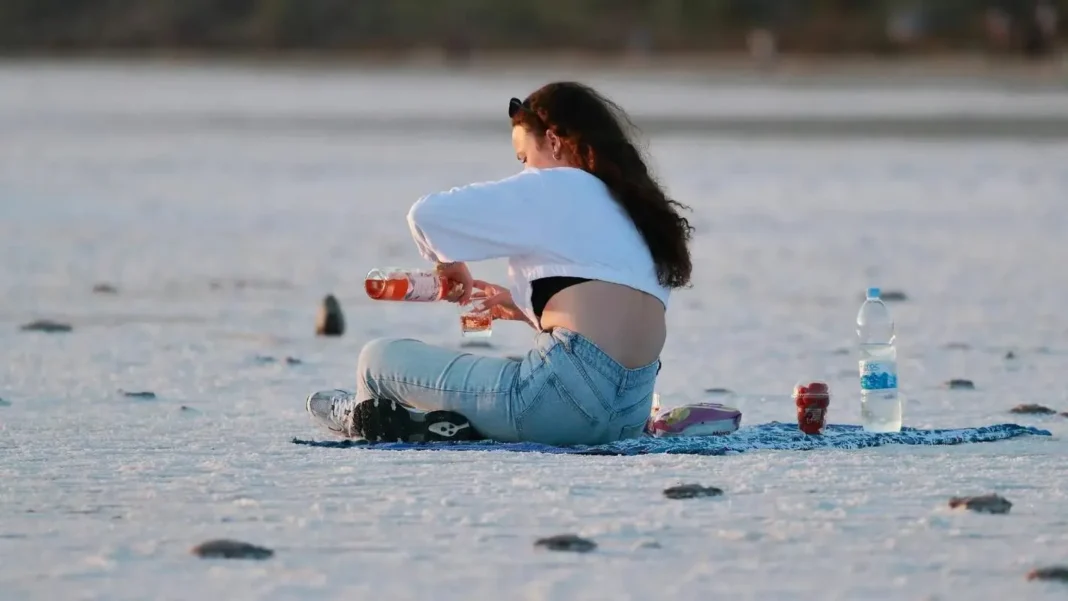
[(774, 435)]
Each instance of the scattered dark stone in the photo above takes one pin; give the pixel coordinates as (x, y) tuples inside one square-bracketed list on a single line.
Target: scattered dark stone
[(1010, 355), (230, 549), (105, 289), (249, 284), (1032, 409), (1058, 573), (4, 403), (330, 321), (840, 351), (991, 503), (1062, 413), (566, 542), (718, 391), (960, 384), (268, 360), (187, 409), (138, 394), (691, 491), (47, 326), (958, 346)]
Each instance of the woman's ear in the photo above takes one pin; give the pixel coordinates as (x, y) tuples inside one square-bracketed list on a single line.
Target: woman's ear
[(554, 142)]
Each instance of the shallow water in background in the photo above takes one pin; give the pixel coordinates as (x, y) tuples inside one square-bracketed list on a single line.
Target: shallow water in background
[(222, 234)]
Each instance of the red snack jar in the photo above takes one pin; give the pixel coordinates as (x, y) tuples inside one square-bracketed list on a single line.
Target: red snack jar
[(812, 401)]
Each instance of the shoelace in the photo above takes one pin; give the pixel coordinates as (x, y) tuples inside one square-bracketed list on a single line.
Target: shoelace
[(341, 408)]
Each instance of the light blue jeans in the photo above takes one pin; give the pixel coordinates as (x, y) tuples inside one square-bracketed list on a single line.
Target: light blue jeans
[(566, 390)]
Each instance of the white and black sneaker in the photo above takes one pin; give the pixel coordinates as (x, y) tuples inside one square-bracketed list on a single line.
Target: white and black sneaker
[(332, 409), (383, 420)]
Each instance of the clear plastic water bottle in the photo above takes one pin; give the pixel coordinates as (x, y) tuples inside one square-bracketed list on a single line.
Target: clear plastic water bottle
[(880, 404)]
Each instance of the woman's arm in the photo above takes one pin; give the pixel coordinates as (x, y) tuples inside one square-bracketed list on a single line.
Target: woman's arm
[(480, 221)]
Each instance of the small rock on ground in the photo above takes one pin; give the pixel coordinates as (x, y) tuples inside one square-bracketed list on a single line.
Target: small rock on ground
[(1059, 573), (1032, 409), (1010, 355), (48, 326), (566, 542), (691, 491), (960, 384), (717, 391), (267, 360), (991, 503), (330, 321), (138, 394), (230, 549), (105, 289)]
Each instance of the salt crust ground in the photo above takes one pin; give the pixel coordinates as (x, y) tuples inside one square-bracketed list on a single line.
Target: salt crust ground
[(103, 495)]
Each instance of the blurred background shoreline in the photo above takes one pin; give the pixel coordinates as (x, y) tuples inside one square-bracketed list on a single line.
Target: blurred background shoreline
[(953, 67), (966, 37), (753, 68), (890, 27), (706, 95)]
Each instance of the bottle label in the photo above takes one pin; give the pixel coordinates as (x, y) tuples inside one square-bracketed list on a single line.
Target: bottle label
[(878, 375), (423, 286)]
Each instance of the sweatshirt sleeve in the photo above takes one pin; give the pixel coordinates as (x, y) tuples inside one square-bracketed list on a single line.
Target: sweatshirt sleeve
[(480, 221)]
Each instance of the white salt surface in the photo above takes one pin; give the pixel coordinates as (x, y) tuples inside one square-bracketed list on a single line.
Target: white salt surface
[(103, 495)]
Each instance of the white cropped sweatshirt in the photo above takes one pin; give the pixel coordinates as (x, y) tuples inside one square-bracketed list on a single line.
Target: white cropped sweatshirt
[(546, 222)]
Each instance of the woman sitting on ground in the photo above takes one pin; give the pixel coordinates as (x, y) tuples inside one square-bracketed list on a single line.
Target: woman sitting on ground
[(594, 247)]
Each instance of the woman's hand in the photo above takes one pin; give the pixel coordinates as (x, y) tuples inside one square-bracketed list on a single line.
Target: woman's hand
[(498, 301), (460, 279)]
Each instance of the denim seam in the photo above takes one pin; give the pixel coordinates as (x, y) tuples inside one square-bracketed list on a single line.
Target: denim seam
[(562, 391), (405, 382), (521, 417), (580, 366), (605, 371), (538, 399), (523, 383), (579, 363)]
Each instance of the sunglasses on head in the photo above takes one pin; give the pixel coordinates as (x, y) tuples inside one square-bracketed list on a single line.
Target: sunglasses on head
[(514, 106)]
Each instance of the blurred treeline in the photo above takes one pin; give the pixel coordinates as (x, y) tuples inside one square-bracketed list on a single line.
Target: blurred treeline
[(827, 26)]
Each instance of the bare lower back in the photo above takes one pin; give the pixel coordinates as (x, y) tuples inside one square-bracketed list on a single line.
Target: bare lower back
[(625, 323)]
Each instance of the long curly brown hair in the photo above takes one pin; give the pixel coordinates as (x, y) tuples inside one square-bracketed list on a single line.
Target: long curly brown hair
[(594, 138)]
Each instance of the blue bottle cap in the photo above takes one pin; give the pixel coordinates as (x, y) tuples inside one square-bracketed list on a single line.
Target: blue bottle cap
[(873, 293)]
